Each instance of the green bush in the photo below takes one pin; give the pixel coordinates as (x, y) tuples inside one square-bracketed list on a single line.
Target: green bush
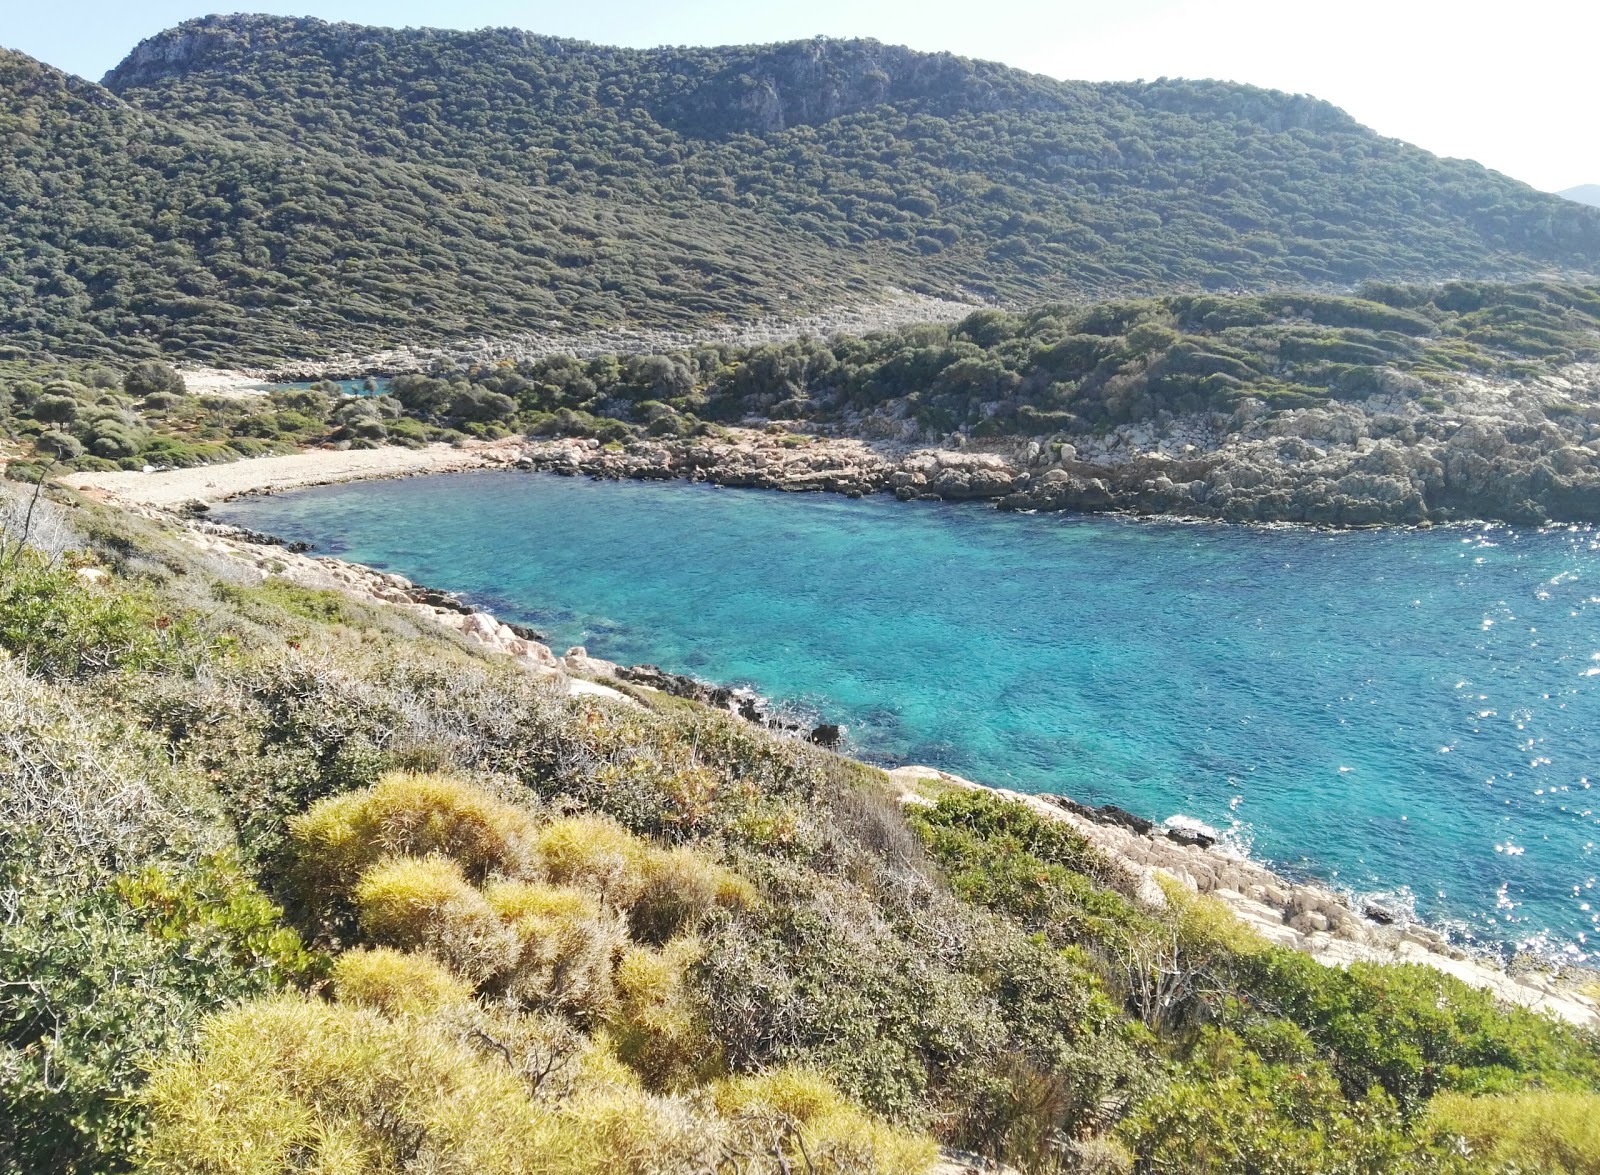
[(59, 626)]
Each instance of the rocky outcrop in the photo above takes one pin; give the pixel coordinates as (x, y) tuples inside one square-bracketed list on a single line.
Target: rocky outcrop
[(1306, 917), (1525, 453)]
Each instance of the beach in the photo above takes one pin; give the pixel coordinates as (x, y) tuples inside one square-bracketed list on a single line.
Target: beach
[(174, 488)]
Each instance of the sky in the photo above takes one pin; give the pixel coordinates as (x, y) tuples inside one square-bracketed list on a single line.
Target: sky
[(1508, 83)]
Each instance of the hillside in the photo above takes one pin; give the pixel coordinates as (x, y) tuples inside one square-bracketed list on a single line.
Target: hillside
[(297, 874), (1408, 404), (1584, 194), (253, 189)]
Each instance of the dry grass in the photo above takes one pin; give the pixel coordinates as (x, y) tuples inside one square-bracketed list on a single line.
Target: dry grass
[(1557, 1133), (396, 983)]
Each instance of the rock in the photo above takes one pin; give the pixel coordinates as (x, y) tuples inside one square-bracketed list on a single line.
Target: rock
[(1309, 922), (577, 660), (827, 735), (93, 574), (1382, 915), (1190, 838), (1111, 814)]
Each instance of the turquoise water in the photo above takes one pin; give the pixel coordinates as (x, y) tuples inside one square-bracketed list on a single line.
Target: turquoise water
[(1415, 714)]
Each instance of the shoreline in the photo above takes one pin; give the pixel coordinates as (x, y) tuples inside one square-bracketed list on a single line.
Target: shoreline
[(1309, 917), (174, 489)]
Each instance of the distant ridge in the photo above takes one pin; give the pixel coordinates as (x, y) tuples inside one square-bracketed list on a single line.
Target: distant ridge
[(1584, 194), (255, 189)]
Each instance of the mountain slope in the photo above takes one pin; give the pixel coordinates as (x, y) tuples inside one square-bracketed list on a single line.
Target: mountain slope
[(324, 187), (1584, 194), (125, 232)]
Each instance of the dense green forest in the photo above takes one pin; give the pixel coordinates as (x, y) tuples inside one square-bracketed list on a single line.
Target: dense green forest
[(1056, 371), (298, 882), (255, 189)]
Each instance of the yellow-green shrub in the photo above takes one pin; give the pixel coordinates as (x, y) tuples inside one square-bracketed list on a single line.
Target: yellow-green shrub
[(657, 1028), (427, 904), (1557, 1133), (679, 886), (414, 815), (396, 983), (595, 852), (839, 1135), (567, 943), (289, 1084), (665, 889)]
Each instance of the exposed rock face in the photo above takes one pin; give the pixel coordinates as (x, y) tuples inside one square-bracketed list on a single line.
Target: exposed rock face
[(1525, 453)]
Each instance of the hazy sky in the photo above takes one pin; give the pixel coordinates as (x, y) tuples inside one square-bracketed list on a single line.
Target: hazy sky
[(1510, 84)]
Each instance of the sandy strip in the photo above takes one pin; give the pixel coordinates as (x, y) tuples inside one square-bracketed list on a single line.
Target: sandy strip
[(217, 483)]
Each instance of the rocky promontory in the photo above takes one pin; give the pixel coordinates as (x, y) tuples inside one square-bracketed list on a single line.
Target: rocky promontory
[(1520, 452)]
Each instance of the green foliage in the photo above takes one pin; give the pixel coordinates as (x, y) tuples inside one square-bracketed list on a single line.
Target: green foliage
[(1056, 370), (1414, 1030), (212, 908), (272, 188), (1001, 856), (1231, 1112), (58, 625), (1557, 1133)]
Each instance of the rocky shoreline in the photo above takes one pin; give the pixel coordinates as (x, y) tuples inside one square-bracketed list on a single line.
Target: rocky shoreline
[(1307, 917), (1521, 452), (1524, 452)]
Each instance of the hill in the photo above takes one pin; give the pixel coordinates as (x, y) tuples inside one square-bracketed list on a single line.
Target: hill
[(1584, 194), (1405, 405), (259, 188)]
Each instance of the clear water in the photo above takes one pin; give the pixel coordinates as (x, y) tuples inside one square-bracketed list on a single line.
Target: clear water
[(1409, 713)]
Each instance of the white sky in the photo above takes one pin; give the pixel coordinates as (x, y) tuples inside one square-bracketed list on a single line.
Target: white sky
[(1512, 85)]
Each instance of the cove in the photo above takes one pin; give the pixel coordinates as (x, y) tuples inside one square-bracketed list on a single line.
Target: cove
[(1408, 713)]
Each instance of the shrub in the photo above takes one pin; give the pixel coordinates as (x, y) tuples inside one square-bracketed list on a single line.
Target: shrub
[(425, 903), (798, 1105), (597, 852), (567, 943), (680, 887), (396, 983), (413, 815), (213, 906), (60, 445), (657, 1027), (1414, 1030), (59, 626), (152, 377), (1557, 1133), (288, 1084), (1232, 1113)]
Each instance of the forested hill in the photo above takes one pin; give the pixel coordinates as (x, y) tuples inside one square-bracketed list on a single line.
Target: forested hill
[(250, 187)]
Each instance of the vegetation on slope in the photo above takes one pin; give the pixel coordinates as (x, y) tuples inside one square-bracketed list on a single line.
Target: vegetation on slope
[(297, 881), (1063, 369), (1055, 371), (257, 188)]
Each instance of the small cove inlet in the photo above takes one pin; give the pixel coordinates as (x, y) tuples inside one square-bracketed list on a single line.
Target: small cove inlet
[(1411, 713)]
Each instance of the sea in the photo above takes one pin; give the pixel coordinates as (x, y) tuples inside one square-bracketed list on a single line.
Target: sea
[(1409, 715)]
